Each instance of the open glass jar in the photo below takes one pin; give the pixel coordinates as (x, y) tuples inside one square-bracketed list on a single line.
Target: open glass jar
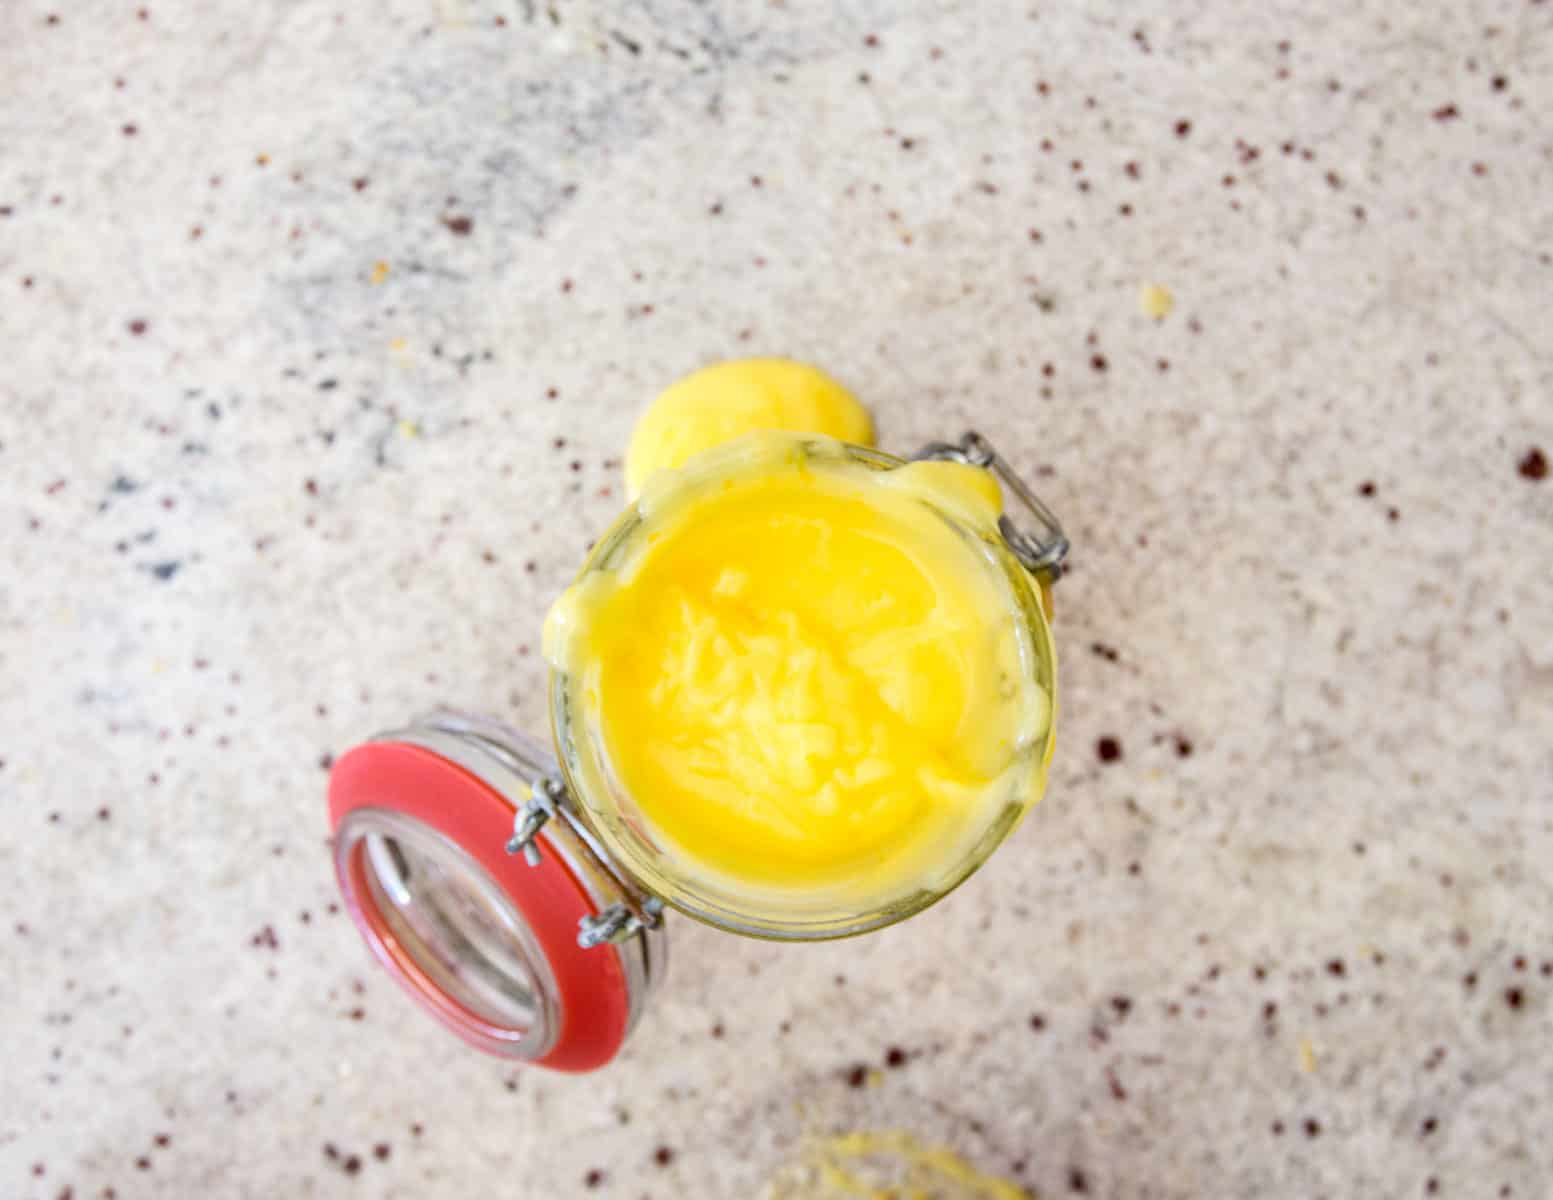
[(519, 894)]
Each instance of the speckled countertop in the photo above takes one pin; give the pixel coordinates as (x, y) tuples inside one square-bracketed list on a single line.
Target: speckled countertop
[(323, 326)]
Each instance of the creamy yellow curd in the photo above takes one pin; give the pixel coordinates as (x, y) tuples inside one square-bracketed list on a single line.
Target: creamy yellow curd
[(728, 399), (800, 683)]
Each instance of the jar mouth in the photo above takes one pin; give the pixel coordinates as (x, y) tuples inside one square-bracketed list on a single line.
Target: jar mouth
[(804, 909)]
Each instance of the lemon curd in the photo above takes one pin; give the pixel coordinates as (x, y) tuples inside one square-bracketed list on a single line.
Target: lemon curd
[(729, 399), (803, 688)]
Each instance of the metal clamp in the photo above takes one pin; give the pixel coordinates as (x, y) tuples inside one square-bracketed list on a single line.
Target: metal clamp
[(1042, 552), (617, 924), (544, 796)]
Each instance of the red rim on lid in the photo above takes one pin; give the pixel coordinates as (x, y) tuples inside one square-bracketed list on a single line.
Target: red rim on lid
[(484, 941)]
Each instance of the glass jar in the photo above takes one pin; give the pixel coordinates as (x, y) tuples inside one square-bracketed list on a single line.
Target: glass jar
[(520, 900), (807, 913)]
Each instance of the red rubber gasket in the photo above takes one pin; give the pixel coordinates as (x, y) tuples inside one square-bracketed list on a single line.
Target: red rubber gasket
[(593, 998)]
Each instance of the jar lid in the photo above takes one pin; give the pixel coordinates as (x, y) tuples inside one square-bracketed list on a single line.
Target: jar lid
[(531, 957)]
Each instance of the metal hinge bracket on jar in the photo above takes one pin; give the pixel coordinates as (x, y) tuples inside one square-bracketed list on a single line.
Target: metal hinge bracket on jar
[(617, 924), (544, 797), (1040, 552), (614, 925)]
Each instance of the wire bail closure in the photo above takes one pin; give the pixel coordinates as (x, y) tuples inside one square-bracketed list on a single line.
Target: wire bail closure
[(540, 807), (616, 924), (1040, 552)]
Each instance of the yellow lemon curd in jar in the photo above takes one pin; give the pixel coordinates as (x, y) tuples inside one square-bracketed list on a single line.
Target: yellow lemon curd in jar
[(811, 676), (728, 399)]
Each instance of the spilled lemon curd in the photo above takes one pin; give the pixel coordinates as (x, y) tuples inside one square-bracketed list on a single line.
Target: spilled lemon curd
[(890, 1164), (810, 678), (729, 399)]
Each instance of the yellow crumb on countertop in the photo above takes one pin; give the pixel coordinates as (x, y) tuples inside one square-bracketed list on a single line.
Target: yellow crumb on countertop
[(1156, 301)]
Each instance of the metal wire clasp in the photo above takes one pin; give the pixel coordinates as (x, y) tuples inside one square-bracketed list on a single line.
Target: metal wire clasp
[(544, 795), (618, 924), (1040, 552)]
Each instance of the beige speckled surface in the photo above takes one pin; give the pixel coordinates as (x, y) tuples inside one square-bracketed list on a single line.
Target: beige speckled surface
[(1296, 941)]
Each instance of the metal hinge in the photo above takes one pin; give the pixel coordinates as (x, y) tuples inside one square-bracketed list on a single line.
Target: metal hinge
[(617, 924), (1040, 552), (544, 795)]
